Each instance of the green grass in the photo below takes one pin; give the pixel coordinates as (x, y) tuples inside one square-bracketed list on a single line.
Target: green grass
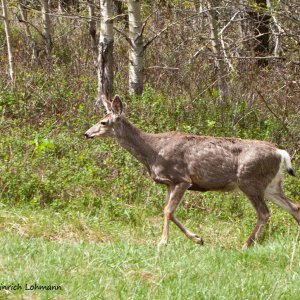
[(85, 215), (93, 257)]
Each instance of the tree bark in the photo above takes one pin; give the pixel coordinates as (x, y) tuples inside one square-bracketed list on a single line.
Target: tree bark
[(92, 25), (118, 7), (105, 54), (217, 50), (136, 53), (46, 26), (8, 42), (261, 21)]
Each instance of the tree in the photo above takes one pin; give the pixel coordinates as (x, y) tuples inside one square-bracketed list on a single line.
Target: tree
[(46, 26), (105, 54), (8, 42), (216, 47), (118, 7), (136, 53), (261, 20), (92, 25)]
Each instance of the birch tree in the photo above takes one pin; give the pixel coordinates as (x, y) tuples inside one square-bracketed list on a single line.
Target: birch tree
[(8, 42), (92, 25), (217, 50), (136, 53), (46, 26), (105, 54)]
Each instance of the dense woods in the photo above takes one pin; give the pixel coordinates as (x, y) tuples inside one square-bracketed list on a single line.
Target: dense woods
[(225, 52)]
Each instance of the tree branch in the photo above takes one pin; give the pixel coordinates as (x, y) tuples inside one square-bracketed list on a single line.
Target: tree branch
[(116, 17), (26, 22), (124, 35), (156, 36), (162, 67), (145, 23), (172, 24)]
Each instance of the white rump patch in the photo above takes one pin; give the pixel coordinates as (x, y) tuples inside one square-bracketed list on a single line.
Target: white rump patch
[(285, 158), (272, 188)]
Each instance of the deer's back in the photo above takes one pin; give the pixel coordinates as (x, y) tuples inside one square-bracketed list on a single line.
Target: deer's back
[(211, 163)]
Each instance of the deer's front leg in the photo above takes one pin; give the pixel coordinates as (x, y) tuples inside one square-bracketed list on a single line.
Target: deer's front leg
[(176, 193), (166, 228)]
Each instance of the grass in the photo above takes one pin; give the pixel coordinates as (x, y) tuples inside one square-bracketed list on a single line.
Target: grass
[(93, 257), (85, 216)]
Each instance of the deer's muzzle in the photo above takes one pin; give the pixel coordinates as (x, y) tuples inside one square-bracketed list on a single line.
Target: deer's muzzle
[(87, 136)]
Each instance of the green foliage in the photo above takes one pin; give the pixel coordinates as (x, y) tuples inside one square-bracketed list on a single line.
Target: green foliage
[(46, 161)]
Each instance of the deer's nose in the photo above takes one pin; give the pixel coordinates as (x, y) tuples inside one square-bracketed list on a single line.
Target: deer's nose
[(86, 135)]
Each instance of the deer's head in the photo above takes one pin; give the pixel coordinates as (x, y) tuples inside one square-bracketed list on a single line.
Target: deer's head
[(105, 127)]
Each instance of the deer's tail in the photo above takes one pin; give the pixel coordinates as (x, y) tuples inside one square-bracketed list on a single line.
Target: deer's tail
[(286, 159)]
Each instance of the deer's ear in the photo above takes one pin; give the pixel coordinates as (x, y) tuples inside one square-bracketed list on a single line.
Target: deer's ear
[(117, 106), (102, 101)]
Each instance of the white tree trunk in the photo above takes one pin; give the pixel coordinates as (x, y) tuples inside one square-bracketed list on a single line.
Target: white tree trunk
[(92, 25), (46, 25), (8, 42), (278, 37), (136, 53), (217, 50), (105, 53)]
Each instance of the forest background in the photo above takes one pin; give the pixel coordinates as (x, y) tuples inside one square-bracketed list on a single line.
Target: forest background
[(84, 214)]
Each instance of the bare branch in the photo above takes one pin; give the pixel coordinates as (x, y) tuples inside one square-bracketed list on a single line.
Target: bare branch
[(124, 35), (156, 36), (229, 22), (195, 15), (116, 17), (32, 25), (146, 21), (222, 40), (162, 67)]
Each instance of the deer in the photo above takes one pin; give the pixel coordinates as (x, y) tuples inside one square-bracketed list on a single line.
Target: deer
[(184, 161)]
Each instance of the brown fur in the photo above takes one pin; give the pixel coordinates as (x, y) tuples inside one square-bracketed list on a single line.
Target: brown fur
[(202, 163)]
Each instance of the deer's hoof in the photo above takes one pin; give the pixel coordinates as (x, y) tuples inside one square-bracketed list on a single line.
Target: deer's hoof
[(247, 245), (198, 240), (161, 244)]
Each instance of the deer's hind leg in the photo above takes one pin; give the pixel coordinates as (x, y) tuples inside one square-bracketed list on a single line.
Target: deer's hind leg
[(176, 193), (274, 193), (263, 214)]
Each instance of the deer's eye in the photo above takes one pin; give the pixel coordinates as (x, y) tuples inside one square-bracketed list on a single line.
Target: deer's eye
[(104, 123)]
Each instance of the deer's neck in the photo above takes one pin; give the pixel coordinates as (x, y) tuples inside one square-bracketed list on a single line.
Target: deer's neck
[(137, 142)]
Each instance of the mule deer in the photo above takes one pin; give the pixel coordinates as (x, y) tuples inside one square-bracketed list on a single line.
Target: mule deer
[(190, 162)]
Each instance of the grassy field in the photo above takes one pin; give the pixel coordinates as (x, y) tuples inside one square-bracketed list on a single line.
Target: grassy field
[(93, 257), (84, 215)]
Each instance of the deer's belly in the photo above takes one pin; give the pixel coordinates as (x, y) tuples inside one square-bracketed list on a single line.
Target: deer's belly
[(221, 187)]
